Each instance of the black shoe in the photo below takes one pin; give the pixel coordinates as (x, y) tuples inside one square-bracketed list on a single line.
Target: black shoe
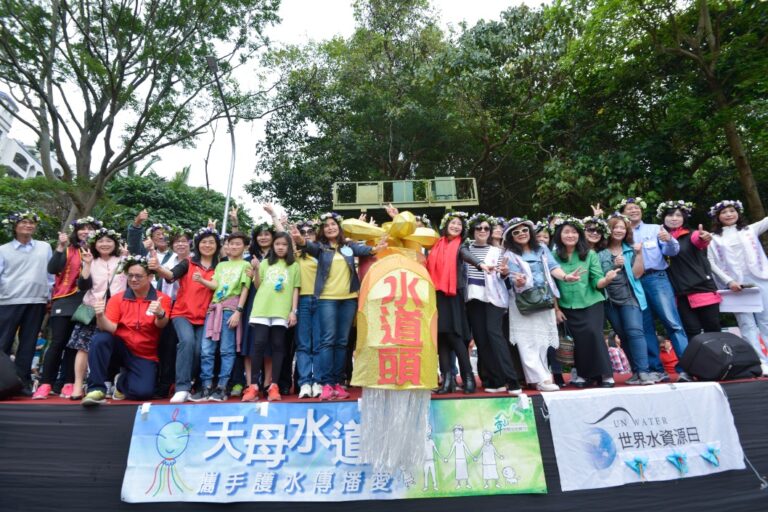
[(220, 395), (469, 384), (26, 391), (448, 386), (201, 396), (558, 379)]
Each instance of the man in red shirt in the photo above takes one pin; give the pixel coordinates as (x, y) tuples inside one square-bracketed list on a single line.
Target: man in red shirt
[(129, 327)]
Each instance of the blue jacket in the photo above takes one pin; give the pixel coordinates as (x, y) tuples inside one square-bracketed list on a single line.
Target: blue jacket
[(325, 253)]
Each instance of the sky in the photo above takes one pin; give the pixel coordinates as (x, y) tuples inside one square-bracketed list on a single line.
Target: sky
[(302, 21)]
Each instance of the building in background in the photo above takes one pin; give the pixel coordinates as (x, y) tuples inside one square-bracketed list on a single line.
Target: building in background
[(18, 159)]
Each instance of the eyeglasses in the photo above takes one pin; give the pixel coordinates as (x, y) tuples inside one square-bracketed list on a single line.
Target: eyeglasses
[(136, 277), (521, 231), (482, 228)]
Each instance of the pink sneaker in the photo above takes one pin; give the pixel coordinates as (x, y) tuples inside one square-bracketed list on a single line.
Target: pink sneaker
[(340, 392), (43, 390), (67, 390), (327, 393)]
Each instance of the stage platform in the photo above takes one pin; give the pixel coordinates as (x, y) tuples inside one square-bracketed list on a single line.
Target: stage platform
[(57, 455)]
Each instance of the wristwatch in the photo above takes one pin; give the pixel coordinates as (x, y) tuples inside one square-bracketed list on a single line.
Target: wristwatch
[(295, 311), (240, 309)]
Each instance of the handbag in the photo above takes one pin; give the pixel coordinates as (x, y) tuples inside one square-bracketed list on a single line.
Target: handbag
[(564, 352), (534, 299), (84, 314)]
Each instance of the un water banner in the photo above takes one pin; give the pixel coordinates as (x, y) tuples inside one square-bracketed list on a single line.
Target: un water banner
[(310, 452), (606, 438)]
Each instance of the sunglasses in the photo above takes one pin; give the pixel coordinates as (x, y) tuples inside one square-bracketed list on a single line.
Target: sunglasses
[(521, 231), (306, 231), (590, 230), (482, 228)]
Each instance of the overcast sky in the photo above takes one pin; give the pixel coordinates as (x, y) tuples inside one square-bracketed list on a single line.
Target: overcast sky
[(302, 21)]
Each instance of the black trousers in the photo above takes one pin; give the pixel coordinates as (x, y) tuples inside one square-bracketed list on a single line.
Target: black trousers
[(705, 318), (448, 342), (26, 319), (166, 353), (274, 336), (286, 372), (61, 330), (486, 321)]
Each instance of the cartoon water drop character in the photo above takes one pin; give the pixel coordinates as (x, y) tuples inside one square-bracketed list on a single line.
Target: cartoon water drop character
[(171, 441)]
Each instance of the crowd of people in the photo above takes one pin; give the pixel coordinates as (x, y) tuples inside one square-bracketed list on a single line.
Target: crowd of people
[(203, 317)]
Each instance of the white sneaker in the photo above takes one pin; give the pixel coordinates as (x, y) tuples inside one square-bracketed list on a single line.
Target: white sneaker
[(180, 397), (502, 389), (317, 389), (305, 391), (764, 366), (547, 386)]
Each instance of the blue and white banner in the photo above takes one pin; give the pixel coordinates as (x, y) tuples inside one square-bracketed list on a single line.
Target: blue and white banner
[(311, 452), (606, 438)]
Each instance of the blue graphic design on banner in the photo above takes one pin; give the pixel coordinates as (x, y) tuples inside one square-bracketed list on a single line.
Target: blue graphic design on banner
[(311, 452)]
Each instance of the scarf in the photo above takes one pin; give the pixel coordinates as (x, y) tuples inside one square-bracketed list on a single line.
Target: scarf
[(66, 280), (442, 265)]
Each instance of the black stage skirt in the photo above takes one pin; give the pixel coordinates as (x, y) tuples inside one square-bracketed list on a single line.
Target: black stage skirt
[(590, 352)]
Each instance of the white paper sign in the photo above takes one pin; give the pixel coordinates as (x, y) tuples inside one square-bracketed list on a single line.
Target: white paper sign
[(748, 300)]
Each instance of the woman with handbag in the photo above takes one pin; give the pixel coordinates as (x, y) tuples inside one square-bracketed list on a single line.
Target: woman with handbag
[(531, 268), (100, 279), (626, 298), (581, 302), (65, 264)]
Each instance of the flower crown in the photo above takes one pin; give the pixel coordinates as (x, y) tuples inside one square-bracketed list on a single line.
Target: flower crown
[(306, 223), (85, 221), (134, 259), (619, 215), (542, 225), (725, 204), (204, 232), (569, 219), (154, 227), (101, 233), (463, 216), (178, 231), (631, 200), (331, 215), (424, 220), (684, 206), (600, 223), (17, 217), (479, 218), (264, 226), (554, 216)]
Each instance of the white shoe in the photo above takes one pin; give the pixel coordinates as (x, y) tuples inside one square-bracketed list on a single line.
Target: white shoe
[(180, 397), (305, 391), (515, 392), (764, 366), (317, 390), (547, 386), (496, 390)]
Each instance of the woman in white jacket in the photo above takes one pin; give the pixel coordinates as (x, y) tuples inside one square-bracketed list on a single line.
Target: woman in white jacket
[(738, 260), (531, 265)]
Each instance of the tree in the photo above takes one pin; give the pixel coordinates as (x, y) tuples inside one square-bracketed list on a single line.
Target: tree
[(708, 57), (109, 83)]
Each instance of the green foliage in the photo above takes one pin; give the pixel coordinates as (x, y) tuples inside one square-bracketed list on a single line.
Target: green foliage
[(549, 109), (172, 202)]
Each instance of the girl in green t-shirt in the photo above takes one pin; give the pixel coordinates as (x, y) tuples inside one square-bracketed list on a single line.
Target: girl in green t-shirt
[(274, 310)]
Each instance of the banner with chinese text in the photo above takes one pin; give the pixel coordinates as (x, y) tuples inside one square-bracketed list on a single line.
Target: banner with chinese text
[(310, 452), (606, 438), (396, 327)]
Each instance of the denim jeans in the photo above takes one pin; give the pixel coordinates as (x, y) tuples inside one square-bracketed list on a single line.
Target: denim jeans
[(306, 334), (227, 346), (334, 321), (661, 302), (627, 321), (187, 352)]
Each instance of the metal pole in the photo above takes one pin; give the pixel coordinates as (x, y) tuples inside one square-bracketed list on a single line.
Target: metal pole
[(213, 66)]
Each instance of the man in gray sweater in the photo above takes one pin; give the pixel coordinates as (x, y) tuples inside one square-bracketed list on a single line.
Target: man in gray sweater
[(25, 288)]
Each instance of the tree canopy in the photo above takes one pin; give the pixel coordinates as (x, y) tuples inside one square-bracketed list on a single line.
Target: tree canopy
[(548, 108)]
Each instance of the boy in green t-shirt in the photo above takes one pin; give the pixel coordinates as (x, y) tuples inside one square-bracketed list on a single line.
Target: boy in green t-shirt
[(222, 323)]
